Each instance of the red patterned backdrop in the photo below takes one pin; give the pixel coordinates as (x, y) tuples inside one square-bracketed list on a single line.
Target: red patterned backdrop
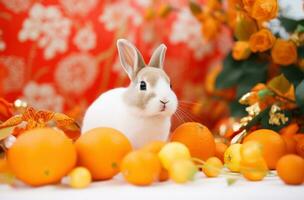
[(61, 54)]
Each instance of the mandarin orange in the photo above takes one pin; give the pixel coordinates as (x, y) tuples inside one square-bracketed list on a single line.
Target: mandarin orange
[(197, 138), (298, 136), (290, 130), (212, 167), (220, 149), (4, 165), (290, 169), (101, 150), (273, 145), (300, 147), (155, 147), (141, 167), (290, 144), (254, 171), (41, 156)]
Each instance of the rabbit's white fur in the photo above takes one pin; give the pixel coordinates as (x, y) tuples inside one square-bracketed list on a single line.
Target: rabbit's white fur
[(141, 115)]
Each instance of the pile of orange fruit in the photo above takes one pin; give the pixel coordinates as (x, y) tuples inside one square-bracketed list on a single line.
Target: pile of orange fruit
[(46, 156)]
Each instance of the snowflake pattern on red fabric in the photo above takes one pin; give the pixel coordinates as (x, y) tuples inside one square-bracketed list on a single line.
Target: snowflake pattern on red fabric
[(61, 54)]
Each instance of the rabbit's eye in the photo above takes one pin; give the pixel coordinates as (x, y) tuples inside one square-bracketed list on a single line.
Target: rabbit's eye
[(143, 85), (170, 85)]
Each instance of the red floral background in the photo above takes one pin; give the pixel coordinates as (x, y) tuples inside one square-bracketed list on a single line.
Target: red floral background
[(61, 54)]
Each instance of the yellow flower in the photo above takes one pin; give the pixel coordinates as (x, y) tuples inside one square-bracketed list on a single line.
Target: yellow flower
[(264, 10), (284, 52), (261, 40), (234, 3), (241, 50), (213, 5), (245, 26), (210, 28), (248, 4), (232, 6)]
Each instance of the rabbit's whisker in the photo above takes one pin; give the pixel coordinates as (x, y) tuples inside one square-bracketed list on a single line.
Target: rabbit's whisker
[(177, 114), (185, 115), (190, 115)]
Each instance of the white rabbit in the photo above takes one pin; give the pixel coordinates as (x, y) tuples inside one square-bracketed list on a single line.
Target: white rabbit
[(142, 111)]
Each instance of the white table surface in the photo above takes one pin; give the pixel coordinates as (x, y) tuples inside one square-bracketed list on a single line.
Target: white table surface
[(202, 189)]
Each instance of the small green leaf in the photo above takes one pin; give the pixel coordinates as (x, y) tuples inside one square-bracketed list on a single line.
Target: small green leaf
[(5, 132), (279, 84), (300, 94), (231, 181), (195, 8), (299, 29), (290, 24), (264, 93)]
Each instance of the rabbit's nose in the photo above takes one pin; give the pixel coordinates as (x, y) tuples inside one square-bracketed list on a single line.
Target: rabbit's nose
[(164, 102)]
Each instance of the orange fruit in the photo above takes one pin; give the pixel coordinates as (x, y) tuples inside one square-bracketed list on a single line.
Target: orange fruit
[(290, 144), (290, 130), (251, 152), (163, 175), (212, 167), (101, 150), (300, 148), (254, 171), (220, 149), (273, 145), (41, 156), (141, 167), (155, 147), (4, 165), (290, 169), (197, 138), (298, 137)]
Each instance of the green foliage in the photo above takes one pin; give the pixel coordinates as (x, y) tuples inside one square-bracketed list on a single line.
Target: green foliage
[(241, 74), (231, 73), (253, 72), (300, 28), (300, 96), (300, 52), (290, 24), (293, 74), (237, 109)]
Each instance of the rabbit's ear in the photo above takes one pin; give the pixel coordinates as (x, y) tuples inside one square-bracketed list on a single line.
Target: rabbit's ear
[(158, 57), (130, 58)]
